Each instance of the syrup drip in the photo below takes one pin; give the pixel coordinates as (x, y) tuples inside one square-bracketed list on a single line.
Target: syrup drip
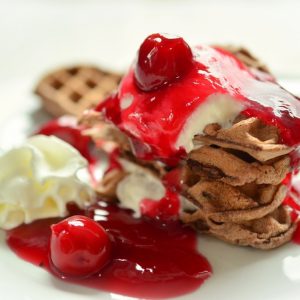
[(151, 259)]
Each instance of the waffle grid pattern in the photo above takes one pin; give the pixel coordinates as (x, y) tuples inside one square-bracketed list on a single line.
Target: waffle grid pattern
[(75, 89)]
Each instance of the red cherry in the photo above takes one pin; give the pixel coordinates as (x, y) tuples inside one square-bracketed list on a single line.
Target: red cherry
[(79, 246), (161, 60)]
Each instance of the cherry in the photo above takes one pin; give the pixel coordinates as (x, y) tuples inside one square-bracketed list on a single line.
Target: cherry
[(79, 246), (161, 60)]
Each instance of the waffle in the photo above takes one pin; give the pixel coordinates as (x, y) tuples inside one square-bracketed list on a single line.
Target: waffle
[(234, 182), (250, 136), (75, 89), (266, 233)]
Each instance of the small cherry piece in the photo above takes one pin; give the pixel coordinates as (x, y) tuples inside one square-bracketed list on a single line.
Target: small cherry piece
[(79, 247), (161, 60)]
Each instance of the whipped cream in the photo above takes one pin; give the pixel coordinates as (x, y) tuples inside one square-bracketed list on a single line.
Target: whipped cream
[(39, 178), (138, 185), (141, 184)]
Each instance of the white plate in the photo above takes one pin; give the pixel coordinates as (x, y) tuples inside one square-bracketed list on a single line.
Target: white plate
[(239, 273)]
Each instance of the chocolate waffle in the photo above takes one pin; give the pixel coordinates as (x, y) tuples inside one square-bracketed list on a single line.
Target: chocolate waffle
[(235, 183)]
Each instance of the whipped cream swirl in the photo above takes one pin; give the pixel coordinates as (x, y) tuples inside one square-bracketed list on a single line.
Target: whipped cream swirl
[(39, 178)]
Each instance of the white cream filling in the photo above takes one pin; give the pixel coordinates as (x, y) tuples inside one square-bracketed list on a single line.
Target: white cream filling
[(218, 108), (138, 185), (141, 184)]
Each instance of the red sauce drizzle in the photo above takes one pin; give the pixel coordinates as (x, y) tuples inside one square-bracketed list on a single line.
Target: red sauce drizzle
[(155, 119), (67, 129), (166, 208), (151, 259), (292, 201)]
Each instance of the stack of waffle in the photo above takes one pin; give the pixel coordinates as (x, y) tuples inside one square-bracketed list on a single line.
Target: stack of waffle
[(235, 180)]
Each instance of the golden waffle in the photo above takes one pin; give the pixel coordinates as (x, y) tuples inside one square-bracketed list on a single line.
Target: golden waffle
[(234, 181), (75, 89)]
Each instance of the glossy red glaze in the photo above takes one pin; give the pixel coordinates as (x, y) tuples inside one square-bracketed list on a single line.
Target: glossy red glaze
[(173, 180), (113, 161), (154, 120), (67, 129), (79, 246), (161, 60), (296, 236), (150, 258), (166, 208), (292, 200)]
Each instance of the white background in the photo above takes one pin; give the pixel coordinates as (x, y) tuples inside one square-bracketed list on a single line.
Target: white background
[(39, 35)]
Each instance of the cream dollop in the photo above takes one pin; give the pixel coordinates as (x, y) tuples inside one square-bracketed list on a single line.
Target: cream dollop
[(39, 178), (137, 185)]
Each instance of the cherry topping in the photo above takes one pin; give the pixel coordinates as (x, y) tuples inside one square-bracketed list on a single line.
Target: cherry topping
[(161, 60), (79, 246)]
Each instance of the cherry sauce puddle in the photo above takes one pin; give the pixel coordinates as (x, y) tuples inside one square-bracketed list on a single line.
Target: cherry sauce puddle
[(150, 258)]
